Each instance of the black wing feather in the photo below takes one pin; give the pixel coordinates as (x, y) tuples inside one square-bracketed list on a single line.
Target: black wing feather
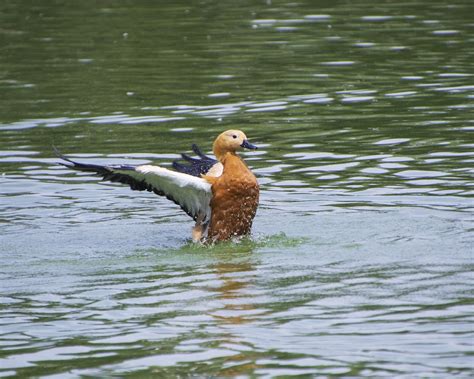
[(195, 166)]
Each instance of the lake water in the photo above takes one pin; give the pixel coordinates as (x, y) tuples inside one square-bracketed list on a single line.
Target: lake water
[(361, 258)]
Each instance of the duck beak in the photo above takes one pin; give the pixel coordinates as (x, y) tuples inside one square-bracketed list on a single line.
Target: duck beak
[(247, 145)]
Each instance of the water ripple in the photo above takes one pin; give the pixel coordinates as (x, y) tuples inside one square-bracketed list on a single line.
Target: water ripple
[(360, 261)]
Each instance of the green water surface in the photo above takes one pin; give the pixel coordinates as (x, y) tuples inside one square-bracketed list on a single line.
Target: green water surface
[(361, 258)]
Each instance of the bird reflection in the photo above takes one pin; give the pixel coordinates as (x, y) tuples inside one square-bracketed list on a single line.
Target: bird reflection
[(231, 292), (236, 273)]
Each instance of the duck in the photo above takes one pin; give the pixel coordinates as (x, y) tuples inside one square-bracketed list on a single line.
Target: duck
[(221, 195)]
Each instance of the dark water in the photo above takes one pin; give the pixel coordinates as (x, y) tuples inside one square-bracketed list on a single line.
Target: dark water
[(362, 254)]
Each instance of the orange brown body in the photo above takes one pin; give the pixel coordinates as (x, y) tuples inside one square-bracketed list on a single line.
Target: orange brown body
[(234, 202)]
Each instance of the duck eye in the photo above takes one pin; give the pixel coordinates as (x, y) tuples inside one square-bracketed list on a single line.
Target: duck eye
[(234, 136)]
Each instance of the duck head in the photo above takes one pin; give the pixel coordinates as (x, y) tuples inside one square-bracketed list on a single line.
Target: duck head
[(231, 141)]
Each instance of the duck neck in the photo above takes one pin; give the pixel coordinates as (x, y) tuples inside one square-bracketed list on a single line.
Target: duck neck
[(233, 163), (221, 153)]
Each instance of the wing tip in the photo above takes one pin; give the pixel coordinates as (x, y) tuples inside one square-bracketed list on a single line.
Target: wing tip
[(67, 163)]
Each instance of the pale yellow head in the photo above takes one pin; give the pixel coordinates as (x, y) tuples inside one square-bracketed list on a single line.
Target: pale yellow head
[(231, 141)]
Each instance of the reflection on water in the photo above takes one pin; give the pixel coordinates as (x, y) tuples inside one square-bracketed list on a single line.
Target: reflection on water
[(361, 258)]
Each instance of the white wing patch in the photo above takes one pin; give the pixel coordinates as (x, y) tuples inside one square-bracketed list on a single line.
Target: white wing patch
[(193, 194), (216, 170)]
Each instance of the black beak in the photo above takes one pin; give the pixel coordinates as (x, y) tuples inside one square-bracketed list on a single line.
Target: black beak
[(247, 145)]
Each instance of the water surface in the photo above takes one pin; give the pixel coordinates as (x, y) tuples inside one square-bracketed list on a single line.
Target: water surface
[(361, 258)]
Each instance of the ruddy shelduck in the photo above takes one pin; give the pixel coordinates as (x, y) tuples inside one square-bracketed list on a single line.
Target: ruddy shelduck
[(220, 195)]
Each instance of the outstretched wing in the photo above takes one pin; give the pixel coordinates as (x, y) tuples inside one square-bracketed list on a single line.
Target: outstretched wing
[(192, 194), (198, 166)]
